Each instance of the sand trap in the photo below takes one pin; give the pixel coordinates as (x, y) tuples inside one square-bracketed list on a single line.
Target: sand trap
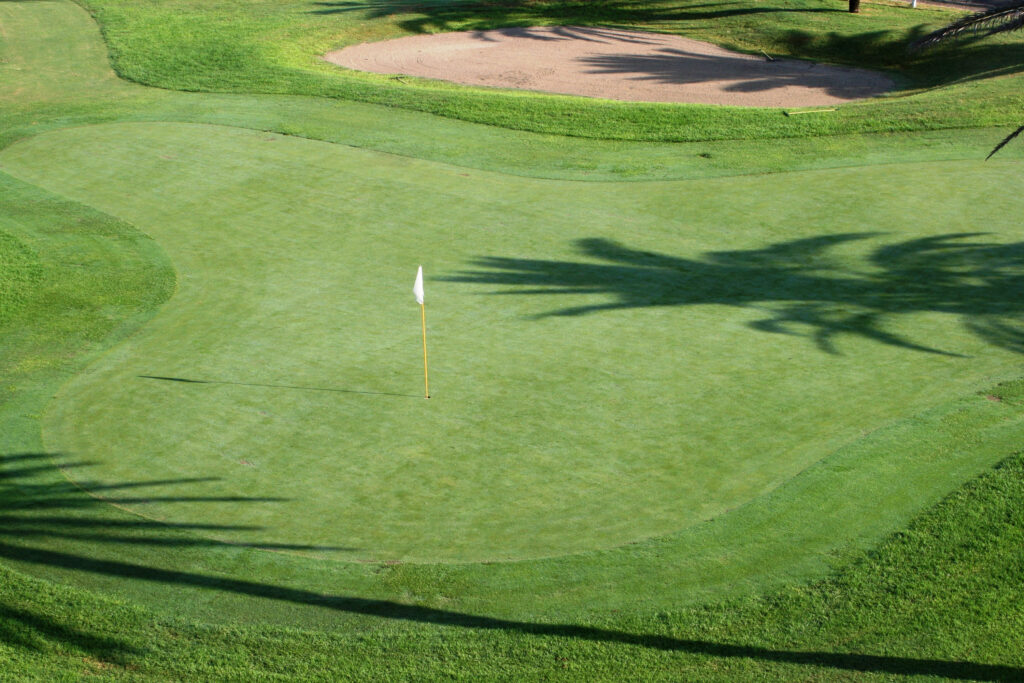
[(619, 65)]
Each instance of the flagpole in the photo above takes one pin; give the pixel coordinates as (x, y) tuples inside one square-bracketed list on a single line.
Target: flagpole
[(426, 380), (417, 289)]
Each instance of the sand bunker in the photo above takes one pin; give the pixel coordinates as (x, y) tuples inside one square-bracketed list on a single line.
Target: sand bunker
[(619, 65)]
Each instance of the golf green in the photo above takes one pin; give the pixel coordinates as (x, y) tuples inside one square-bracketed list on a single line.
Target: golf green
[(609, 361)]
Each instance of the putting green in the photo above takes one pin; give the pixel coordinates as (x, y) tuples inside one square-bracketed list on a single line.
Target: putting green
[(610, 361)]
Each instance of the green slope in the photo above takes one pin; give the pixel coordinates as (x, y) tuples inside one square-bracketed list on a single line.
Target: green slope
[(275, 47), (940, 601)]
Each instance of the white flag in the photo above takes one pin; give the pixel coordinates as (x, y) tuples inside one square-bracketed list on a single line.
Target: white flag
[(417, 288)]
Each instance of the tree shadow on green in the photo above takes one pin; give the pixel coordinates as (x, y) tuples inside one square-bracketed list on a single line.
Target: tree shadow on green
[(35, 631), (801, 286), (38, 504), (25, 628), (33, 505)]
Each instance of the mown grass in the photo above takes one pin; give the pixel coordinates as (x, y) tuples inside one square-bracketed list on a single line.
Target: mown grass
[(243, 251), (259, 414), (275, 48), (941, 600)]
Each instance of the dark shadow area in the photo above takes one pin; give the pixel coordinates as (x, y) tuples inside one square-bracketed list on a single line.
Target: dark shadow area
[(433, 17), (799, 285), (26, 509), (12, 548), (21, 472), (679, 67), (32, 489), (966, 60), (275, 386), (561, 33), (24, 628)]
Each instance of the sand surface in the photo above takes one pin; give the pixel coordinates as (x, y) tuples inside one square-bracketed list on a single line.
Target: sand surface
[(613, 64)]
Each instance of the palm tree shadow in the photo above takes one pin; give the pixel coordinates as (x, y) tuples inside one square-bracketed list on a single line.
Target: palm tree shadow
[(35, 507), (28, 629), (801, 285), (877, 49), (684, 67), (24, 628)]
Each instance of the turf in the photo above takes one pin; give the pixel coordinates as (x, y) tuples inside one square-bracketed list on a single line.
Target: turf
[(99, 213), (846, 303), (940, 601), (287, 351)]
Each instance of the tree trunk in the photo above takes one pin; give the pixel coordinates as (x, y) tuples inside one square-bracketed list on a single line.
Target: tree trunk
[(855, 6)]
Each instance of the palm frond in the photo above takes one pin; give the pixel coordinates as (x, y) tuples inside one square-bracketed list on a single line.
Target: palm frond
[(995, 20), (1005, 140)]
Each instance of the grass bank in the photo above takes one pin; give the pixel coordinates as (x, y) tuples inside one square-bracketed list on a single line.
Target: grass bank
[(941, 600), (275, 48)]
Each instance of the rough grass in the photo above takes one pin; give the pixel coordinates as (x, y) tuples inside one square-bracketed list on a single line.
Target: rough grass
[(19, 270), (275, 48)]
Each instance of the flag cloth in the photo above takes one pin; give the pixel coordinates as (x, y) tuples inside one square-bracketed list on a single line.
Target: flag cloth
[(417, 288)]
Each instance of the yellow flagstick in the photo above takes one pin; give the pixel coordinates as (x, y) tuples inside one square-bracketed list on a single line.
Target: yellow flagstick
[(426, 379), (417, 289)]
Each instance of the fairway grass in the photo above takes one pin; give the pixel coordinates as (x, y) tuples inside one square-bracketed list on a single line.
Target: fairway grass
[(687, 398)]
